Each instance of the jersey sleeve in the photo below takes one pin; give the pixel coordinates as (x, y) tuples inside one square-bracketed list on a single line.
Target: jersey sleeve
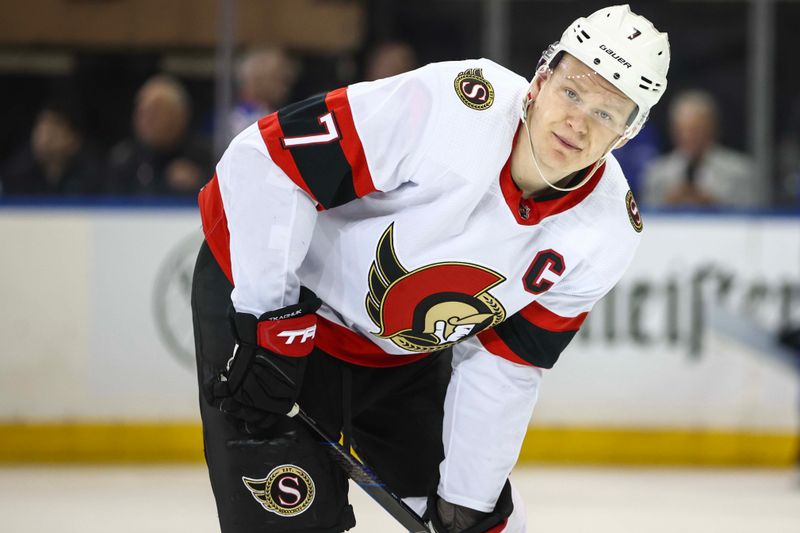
[(258, 225), (488, 406), (353, 141), (260, 208), (534, 336), (539, 332), (490, 399)]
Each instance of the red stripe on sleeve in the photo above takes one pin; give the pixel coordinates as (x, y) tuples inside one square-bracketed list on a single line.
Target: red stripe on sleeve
[(499, 528), (338, 102), (542, 317), (494, 344), (215, 225), (272, 134)]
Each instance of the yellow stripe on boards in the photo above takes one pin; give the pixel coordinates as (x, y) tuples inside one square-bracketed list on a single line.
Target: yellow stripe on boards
[(100, 443), (659, 447), (154, 442)]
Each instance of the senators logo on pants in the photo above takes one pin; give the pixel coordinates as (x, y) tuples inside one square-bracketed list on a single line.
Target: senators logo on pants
[(432, 307), (286, 491)]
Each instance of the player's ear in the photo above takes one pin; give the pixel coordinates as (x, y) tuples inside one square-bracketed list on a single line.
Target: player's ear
[(541, 76)]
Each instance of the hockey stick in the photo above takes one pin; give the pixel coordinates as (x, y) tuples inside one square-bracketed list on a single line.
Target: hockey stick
[(364, 477)]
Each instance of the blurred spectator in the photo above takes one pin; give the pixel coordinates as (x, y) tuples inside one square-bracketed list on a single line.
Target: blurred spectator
[(265, 78), (56, 160), (389, 59), (163, 157), (637, 154), (700, 172), (789, 159)]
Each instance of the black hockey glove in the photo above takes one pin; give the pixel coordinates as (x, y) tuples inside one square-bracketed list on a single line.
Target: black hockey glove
[(264, 376), (446, 517)]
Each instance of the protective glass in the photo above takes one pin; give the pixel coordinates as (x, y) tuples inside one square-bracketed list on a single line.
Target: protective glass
[(585, 93)]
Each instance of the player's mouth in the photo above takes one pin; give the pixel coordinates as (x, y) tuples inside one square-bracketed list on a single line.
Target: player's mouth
[(565, 143)]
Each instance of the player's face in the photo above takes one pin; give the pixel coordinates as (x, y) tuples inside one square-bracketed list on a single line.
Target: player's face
[(575, 118)]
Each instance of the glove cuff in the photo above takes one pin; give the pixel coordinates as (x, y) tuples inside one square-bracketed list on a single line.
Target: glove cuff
[(287, 331), (308, 304), (293, 337), (476, 522)]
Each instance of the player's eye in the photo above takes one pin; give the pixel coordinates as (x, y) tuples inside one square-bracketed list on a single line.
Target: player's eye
[(605, 115), (572, 95)]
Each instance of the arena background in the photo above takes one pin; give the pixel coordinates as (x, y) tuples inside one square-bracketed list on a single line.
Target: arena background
[(678, 367)]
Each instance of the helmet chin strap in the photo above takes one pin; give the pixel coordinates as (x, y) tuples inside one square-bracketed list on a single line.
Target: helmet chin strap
[(524, 117)]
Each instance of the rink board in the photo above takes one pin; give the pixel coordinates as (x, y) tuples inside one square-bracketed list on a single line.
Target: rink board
[(96, 343)]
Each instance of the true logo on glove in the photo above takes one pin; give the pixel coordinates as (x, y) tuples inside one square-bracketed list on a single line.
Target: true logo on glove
[(286, 491), (280, 336), (304, 334)]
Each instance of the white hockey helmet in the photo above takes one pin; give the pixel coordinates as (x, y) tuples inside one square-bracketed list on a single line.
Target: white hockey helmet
[(625, 49)]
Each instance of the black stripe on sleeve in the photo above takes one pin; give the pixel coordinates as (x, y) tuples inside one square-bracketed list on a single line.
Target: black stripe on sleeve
[(537, 346), (323, 166)]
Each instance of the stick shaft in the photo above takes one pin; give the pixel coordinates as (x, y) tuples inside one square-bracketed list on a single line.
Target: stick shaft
[(365, 478)]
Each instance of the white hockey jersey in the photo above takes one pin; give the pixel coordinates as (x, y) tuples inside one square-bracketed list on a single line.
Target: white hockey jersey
[(393, 201)]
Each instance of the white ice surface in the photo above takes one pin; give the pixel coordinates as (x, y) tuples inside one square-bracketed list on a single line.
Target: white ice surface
[(177, 499)]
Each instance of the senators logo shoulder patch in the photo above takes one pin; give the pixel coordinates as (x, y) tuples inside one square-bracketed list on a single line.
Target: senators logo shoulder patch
[(633, 212), (287, 490), (474, 90)]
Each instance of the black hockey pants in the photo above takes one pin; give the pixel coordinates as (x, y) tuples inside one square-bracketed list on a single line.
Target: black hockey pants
[(281, 480)]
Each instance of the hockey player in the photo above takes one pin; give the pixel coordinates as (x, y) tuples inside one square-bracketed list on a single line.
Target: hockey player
[(403, 259)]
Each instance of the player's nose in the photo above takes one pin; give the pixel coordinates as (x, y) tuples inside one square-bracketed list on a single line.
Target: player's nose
[(578, 122)]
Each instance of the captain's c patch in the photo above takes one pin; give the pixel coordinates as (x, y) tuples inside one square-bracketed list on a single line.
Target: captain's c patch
[(286, 491), (474, 90)]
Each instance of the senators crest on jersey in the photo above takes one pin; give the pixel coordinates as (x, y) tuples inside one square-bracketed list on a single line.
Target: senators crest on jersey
[(431, 307)]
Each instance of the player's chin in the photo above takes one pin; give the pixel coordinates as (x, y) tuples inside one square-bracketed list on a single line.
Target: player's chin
[(567, 162), (559, 156), (574, 161)]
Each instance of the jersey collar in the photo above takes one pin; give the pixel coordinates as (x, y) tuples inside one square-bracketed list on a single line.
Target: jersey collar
[(530, 211)]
